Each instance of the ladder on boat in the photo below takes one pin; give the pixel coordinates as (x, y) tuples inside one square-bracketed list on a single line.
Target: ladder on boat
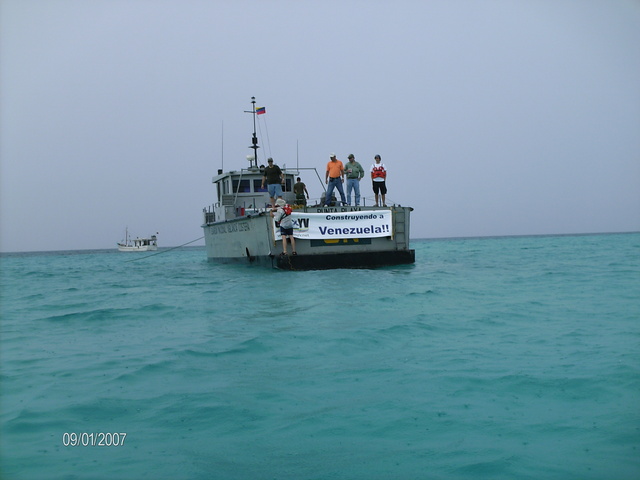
[(400, 229)]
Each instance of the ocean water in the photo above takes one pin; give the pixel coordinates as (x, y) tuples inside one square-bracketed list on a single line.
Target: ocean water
[(487, 359)]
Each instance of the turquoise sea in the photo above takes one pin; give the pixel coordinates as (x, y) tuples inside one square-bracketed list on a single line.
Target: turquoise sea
[(494, 358)]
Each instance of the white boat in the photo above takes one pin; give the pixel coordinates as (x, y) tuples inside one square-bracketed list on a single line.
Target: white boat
[(138, 244), (238, 227)]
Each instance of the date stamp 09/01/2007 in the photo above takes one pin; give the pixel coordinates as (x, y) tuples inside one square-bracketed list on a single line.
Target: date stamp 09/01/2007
[(98, 439)]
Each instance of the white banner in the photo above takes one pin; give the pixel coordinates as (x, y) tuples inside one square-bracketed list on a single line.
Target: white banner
[(328, 226)]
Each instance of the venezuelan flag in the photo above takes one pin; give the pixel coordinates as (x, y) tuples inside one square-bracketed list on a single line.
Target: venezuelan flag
[(261, 110)]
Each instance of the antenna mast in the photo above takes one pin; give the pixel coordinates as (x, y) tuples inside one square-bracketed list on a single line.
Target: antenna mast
[(222, 145), (254, 139)]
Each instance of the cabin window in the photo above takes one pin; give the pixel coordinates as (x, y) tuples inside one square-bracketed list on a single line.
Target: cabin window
[(287, 185), (241, 186), (257, 186)]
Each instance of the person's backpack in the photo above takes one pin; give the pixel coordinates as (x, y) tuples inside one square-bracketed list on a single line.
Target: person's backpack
[(287, 211)]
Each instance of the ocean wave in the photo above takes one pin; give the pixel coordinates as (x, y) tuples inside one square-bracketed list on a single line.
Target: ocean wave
[(97, 315), (510, 358)]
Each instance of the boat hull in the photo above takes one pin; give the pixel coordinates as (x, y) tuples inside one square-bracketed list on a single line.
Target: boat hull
[(327, 261), (143, 248), (250, 240)]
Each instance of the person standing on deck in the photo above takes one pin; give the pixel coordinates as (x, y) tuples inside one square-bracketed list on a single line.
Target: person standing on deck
[(378, 178), (355, 173), (334, 178), (300, 189), (274, 178)]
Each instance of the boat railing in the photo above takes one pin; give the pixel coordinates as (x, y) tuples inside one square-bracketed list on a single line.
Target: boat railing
[(240, 203), (209, 215)]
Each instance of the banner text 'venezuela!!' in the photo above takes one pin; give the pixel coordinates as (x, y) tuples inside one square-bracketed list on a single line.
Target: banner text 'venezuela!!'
[(343, 225)]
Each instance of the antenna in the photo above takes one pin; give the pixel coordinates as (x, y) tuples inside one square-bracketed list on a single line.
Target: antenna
[(254, 139), (222, 146)]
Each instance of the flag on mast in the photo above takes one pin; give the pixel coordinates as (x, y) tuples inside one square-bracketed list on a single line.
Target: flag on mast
[(260, 110)]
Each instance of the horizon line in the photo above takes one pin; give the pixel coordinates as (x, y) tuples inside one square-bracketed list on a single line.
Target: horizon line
[(469, 237)]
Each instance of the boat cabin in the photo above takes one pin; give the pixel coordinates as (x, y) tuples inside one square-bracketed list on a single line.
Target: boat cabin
[(240, 193), (145, 242)]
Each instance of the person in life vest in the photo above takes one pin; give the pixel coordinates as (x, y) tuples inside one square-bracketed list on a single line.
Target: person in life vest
[(378, 178), (281, 213)]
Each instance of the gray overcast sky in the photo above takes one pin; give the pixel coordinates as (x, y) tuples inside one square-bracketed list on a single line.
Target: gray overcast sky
[(496, 117)]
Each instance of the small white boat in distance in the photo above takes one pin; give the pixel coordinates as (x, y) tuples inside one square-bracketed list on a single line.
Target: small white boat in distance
[(139, 244)]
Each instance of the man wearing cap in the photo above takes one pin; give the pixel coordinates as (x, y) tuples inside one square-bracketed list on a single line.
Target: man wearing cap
[(334, 177), (355, 173), (274, 178)]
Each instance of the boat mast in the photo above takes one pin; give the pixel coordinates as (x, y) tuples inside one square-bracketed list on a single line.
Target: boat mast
[(254, 140), (222, 146)]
